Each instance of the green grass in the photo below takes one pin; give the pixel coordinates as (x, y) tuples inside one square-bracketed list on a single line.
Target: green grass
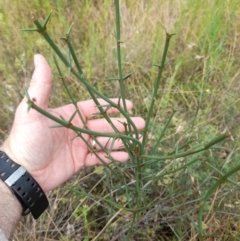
[(201, 82)]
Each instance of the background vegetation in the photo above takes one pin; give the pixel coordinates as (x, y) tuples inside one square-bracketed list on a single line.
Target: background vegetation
[(203, 75)]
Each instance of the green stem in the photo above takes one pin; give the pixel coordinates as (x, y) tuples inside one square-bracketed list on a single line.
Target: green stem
[(156, 87), (42, 30), (214, 187), (153, 150), (80, 77), (90, 91), (179, 148), (69, 93), (220, 173), (187, 153), (95, 153), (118, 38), (66, 124), (163, 173)]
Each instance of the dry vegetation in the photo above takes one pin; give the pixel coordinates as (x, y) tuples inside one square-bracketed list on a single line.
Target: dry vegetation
[(203, 75)]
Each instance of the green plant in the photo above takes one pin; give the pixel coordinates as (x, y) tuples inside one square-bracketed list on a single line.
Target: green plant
[(136, 179), (83, 212)]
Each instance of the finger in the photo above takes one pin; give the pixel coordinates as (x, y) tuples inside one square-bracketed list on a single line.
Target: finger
[(92, 159), (105, 143), (41, 82), (101, 125), (89, 108)]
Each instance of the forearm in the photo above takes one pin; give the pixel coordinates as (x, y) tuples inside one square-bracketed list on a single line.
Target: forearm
[(10, 210)]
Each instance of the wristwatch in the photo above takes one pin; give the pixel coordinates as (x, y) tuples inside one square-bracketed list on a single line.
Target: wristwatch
[(23, 185)]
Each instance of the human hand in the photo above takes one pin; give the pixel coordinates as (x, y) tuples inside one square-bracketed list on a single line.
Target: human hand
[(53, 155)]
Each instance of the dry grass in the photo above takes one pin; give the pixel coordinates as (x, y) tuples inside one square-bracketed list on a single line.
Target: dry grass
[(205, 59)]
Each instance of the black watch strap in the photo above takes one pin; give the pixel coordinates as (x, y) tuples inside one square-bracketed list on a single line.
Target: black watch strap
[(23, 185)]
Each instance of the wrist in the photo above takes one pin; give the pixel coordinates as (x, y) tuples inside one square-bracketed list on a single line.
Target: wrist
[(10, 210), (25, 188), (6, 148)]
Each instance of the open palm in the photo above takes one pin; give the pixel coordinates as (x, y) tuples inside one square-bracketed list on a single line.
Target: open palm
[(52, 155)]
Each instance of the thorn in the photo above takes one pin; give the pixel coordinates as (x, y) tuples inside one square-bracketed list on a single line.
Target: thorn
[(63, 38), (69, 29), (157, 65), (107, 105), (168, 62), (168, 35), (46, 20), (119, 99), (29, 105), (128, 75), (26, 93), (56, 126), (61, 117), (71, 118)]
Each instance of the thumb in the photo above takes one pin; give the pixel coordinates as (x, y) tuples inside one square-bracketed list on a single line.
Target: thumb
[(41, 82)]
